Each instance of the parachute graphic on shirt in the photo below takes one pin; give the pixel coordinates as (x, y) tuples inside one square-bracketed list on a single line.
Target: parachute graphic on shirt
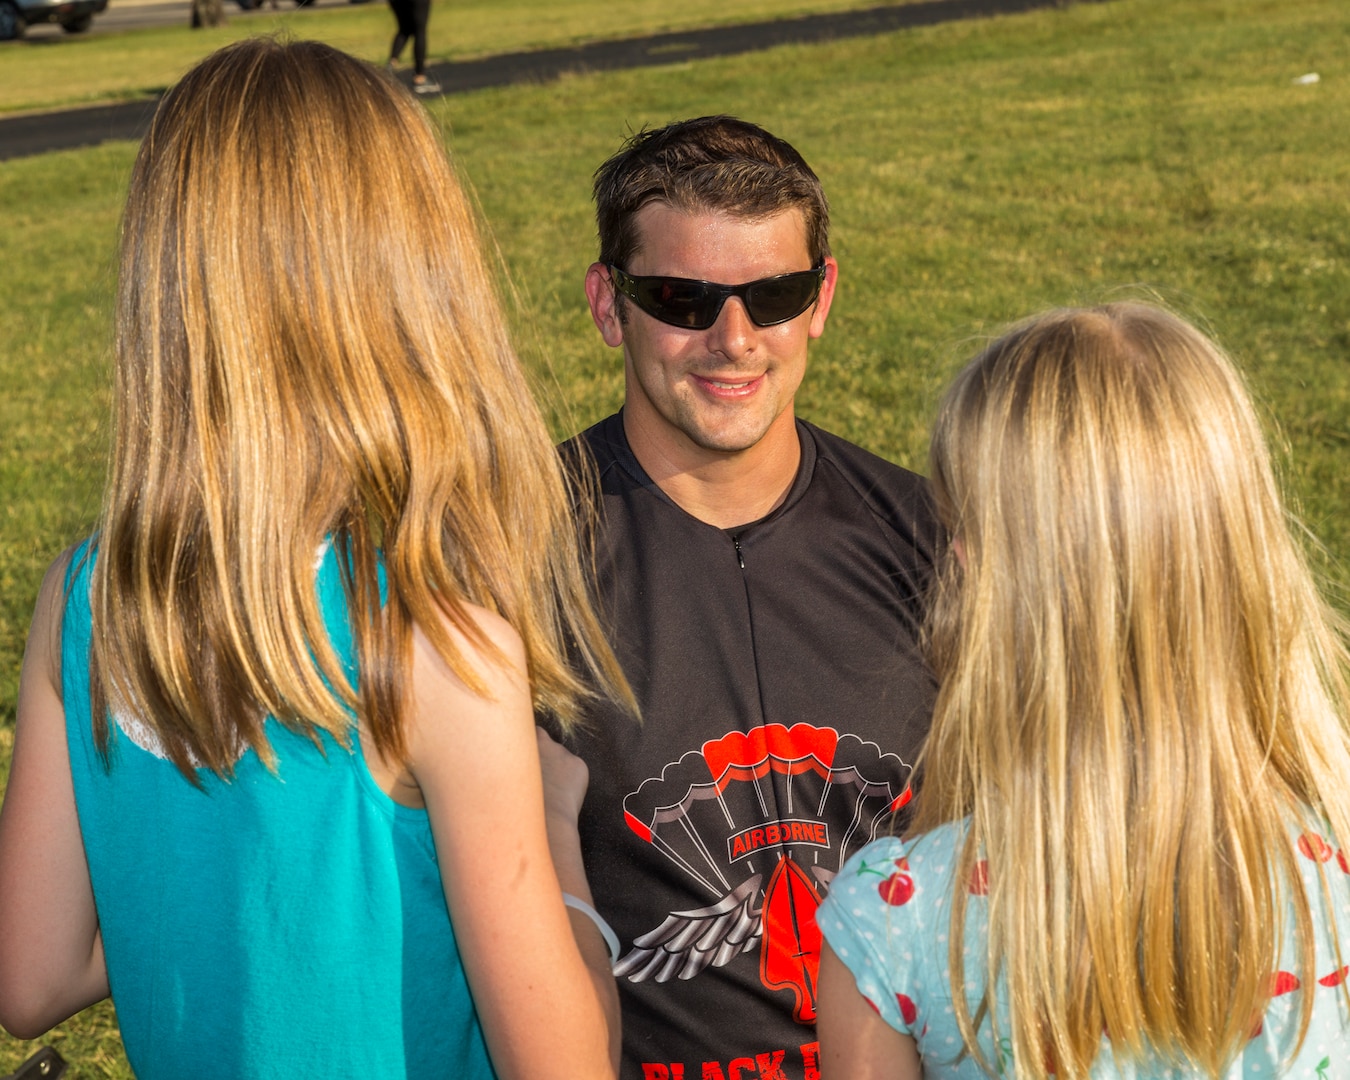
[(762, 820)]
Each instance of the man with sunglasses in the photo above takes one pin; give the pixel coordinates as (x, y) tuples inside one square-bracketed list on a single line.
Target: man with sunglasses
[(762, 578)]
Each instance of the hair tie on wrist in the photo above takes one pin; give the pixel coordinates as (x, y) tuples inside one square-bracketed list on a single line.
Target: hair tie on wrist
[(606, 932)]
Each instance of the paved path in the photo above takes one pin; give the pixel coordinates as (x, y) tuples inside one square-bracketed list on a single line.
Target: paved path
[(22, 136)]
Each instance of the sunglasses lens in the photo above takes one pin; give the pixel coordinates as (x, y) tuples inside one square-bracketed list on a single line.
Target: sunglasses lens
[(776, 300), (695, 305), (678, 302)]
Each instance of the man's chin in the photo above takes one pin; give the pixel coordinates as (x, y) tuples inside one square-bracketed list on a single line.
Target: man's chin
[(735, 440), (730, 445), (724, 432)]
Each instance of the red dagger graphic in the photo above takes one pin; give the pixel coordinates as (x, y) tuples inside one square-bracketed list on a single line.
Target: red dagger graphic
[(789, 954)]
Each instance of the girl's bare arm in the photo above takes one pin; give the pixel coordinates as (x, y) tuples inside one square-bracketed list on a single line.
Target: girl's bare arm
[(548, 1004), (51, 954), (855, 1042)]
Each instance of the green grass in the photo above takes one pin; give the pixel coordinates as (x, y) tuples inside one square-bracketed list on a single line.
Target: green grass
[(980, 170), (53, 364), (78, 70), (977, 171)]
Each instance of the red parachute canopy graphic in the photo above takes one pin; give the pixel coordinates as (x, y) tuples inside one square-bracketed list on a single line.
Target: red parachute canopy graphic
[(786, 805)]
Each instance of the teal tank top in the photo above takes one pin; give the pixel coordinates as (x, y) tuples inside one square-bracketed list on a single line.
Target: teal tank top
[(287, 924)]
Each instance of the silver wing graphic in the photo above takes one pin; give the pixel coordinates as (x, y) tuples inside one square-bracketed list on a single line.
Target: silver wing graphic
[(688, 941)]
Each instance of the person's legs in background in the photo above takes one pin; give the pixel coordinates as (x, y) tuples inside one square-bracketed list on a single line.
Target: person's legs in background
[(407, 28), (421, 12)]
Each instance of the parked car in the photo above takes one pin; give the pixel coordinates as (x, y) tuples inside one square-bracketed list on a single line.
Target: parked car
[(255, 5), (73, 15)]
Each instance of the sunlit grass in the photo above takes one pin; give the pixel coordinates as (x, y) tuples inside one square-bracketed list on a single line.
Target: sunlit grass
[(78, 70)]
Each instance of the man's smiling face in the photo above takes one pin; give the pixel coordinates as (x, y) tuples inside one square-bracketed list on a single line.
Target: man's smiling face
[(725, 388)]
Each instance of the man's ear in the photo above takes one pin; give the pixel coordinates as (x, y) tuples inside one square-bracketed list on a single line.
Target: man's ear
[(604, 304), (822, 309)]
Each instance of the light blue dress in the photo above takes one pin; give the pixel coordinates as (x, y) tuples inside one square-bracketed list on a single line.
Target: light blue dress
[(280, 925), (888, 914)]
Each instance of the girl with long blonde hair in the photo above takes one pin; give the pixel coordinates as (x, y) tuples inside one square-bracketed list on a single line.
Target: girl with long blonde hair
[(275, 779), (1127, 857)]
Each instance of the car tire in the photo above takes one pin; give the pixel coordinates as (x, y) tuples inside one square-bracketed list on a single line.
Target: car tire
[(77, 25), (11, 22)]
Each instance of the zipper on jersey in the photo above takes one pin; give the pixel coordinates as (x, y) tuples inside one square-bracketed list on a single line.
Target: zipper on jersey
[(740, 558)]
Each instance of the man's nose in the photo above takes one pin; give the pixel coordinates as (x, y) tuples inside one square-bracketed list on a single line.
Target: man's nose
[(733, 334)]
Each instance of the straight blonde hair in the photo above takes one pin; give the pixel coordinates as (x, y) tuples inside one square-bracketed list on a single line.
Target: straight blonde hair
[(309, 349), (1141, 691)]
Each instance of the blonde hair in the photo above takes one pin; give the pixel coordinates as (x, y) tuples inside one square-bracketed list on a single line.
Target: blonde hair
[(1141, 689), (309, 347)]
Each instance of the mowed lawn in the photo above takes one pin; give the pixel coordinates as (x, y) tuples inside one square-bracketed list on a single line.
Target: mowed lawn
[(977, 171), (100, 67)]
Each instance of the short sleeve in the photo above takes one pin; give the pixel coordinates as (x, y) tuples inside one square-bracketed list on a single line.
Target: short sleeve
[(870, 920)]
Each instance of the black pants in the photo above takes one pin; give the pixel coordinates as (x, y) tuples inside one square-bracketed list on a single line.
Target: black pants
[(412, 23)]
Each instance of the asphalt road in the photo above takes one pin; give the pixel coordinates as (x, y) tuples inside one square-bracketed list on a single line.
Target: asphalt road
[(36, 133)]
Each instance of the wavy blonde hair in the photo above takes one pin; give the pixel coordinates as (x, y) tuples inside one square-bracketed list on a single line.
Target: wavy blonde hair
[(1141, 689), (309, 346)]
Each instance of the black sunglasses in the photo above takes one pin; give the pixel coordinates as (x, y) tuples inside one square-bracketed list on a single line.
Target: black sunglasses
[(695, 305)]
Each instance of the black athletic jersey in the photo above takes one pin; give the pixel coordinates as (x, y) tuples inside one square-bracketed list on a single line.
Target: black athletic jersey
[(783, 699)]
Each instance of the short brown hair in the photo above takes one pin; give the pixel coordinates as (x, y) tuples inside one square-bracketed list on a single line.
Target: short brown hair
[(710, 163)]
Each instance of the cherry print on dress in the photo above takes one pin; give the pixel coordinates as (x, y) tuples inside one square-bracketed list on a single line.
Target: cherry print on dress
[(899, 887), (979, 879), (1312, 846)]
